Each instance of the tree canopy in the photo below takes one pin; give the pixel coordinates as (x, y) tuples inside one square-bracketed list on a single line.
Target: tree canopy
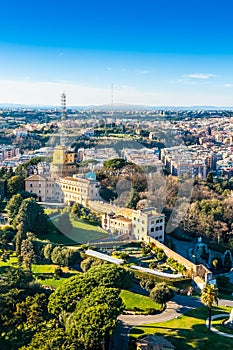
[(31, 217), (115, 163), (13, 206), (15, 184), (161, 293)]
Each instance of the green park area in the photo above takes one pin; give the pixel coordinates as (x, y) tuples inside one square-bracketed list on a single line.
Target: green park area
[(187, 332), (43, 273), (77, 231), (139, 303)]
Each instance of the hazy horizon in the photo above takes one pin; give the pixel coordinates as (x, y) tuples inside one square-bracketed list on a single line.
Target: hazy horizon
[(171, 53)]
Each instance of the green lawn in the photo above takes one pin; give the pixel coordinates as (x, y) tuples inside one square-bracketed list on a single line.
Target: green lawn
[(50, 268), (188, 331), (12, 262), (137, 302), (50, 211), (51, 282), (55, 236), (80, 233), (46, 268), (44, 274)]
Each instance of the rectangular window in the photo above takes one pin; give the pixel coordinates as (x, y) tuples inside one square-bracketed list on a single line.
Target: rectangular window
[(152, 229), (161, 220), (157, 228), (152, 222), (160, 227)]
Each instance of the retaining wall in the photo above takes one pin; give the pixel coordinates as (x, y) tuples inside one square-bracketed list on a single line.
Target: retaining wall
[(171, 254), (102, 207)]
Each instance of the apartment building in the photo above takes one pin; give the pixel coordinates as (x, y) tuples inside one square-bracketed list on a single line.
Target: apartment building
[(8, 152), (117, 224), (147, 222)]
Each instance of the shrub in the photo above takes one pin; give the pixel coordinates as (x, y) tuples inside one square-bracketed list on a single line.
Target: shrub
[(89, 262), (160, 255), (177, 266), (152, 311), (146, 250), (58, 272), (120, 255), (153, 265)]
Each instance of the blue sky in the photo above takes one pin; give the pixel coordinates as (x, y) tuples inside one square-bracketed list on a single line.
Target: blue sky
[(155, 52)]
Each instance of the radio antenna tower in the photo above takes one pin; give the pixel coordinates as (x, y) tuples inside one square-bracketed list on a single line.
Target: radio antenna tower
[(63, 106)]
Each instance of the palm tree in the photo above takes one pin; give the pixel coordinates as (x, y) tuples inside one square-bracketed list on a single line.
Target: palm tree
[(209, 297)]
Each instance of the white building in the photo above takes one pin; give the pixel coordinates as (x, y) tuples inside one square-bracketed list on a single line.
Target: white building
[(147, 222)]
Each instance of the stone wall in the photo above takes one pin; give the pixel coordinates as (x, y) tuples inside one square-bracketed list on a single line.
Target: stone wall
[(102, 207), (198, 270), (171, 254)]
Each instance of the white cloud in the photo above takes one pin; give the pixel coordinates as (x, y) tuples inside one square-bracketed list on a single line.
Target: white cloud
[(143, 71), (228, 85), (199, 76)]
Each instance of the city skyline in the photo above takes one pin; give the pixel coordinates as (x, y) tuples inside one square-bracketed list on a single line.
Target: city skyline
[(165, 53)]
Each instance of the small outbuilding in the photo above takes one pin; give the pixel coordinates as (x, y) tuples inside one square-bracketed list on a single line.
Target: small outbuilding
[(154, 342)]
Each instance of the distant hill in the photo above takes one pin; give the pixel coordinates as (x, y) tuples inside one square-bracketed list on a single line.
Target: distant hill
[(121, 107)]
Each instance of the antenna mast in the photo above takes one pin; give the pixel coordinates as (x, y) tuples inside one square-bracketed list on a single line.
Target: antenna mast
[(63, 106)]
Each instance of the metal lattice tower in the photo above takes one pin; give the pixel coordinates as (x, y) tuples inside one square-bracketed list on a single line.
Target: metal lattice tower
[(63, 106)]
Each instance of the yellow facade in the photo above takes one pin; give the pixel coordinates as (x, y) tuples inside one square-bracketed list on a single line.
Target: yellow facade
[(63, 163), (59, 155)]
